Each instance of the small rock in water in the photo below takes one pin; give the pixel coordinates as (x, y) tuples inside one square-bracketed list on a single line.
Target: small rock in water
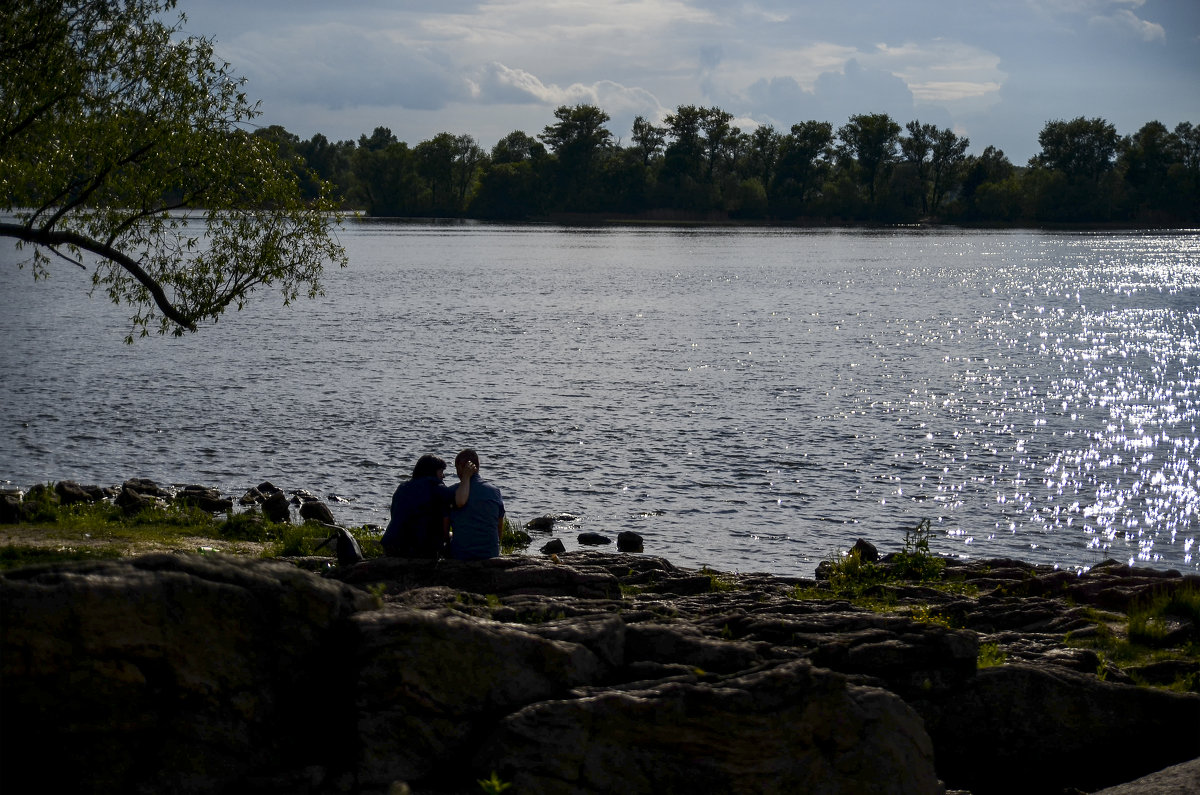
[(594, 539), (543, 523), (867, 552), (553, 547), (301, 496), (629, 541)]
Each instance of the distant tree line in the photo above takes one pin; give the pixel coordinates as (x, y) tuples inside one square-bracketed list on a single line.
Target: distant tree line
[(697, 165)]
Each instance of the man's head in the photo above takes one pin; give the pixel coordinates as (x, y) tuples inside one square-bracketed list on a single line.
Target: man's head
[(466, 456)]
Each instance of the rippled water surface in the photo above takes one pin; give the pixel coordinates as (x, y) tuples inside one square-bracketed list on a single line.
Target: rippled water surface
[(748, 399)]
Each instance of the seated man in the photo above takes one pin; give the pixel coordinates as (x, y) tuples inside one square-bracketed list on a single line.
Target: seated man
[(476, 522)]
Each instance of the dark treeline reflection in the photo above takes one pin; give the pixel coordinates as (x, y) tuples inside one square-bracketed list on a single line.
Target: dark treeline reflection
[(697, 165)]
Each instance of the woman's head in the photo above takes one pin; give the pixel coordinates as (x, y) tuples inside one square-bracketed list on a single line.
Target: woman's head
[(429, 466)]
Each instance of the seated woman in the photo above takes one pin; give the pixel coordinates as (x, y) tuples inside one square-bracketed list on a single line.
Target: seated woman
[(420, 511)]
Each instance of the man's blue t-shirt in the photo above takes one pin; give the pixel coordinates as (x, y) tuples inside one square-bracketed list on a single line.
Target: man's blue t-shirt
[(418, 509), (475, 524)]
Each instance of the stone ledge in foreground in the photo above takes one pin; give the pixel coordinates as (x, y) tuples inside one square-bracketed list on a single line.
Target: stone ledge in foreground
[(607, 671)]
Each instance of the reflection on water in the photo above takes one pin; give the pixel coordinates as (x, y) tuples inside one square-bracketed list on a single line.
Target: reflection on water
[(746, 399)]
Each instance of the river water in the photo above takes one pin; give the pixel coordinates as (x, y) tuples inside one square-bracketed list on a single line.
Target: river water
[(746, 399)]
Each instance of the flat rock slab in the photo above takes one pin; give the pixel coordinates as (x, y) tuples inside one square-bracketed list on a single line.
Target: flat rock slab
[(1181, 779)]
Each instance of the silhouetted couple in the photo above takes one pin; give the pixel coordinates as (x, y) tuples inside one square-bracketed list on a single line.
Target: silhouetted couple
[(430, 518)]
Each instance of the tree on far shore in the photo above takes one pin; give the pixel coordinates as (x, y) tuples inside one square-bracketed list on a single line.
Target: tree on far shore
[(578, 139), (869, 142), (112, 127)]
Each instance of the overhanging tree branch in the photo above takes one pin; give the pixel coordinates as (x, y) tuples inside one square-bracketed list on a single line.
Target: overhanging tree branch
[(114, 118), (51, 239)]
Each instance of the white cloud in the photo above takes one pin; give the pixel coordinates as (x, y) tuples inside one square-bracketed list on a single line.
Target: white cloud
[(828, 82), (1148, 31), (941, 70), (497, 83), (580, 29), (951, 91), (1115, 14), (801, 62), (346, 66), (1086, 7)]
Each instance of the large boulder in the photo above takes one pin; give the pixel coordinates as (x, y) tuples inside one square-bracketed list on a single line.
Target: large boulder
[(166, 673), (792, 728), (686, 645), (1181, 779), (428, 680), (1011, 719)]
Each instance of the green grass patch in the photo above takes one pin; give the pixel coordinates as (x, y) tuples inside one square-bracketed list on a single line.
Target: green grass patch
[(15, 557), (512, 538), (861, 581), (852, 577), (249, 526), (494, 785), (717, 582), (1139, 646), (925, 614), (53, 532), (990, 655), (915, 561), (303, 540), (1150, 621), (877, 599)]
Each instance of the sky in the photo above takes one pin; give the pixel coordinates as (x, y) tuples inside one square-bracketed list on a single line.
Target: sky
[(994, 71)]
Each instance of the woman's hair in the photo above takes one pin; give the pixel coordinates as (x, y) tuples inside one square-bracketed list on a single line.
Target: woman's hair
[(428, 466)]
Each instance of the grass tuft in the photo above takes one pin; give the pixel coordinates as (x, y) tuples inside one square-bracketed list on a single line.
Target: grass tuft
[(512, 538), (718, 583), (865, 582), (1150, 621), (990, 655)]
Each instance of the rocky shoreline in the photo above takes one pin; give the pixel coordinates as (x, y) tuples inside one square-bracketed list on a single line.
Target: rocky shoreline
[(600, 672), (580, 671), (135, 494)]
